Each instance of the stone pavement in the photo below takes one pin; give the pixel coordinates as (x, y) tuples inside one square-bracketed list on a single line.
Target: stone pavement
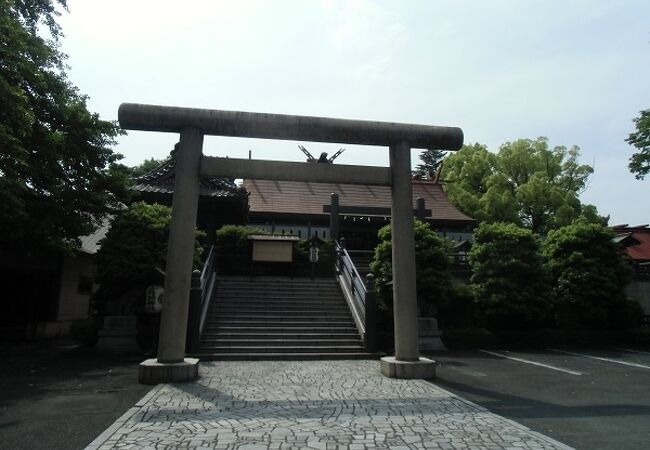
[(311, 404)]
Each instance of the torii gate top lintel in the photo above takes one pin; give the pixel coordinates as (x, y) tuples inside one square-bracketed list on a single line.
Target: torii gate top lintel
[(133, 116)]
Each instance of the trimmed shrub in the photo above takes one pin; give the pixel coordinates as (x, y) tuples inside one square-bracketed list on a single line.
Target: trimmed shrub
[(590, 273), (508, 277), (434, 281), (234, 248)]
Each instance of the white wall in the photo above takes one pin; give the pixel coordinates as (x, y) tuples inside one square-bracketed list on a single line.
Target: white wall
[(73, 303)]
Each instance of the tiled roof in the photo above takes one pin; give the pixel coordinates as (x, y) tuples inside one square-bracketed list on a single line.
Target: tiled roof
[(161, 180), (640, 233), (308, 198)]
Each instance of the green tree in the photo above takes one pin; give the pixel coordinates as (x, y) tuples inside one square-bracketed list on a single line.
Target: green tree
[(147, 166), (590, 273), (525, 183), (431, 262), (431, 161), (508, 278), (133, 254), (135, 247), (640, 162), (54, 179)]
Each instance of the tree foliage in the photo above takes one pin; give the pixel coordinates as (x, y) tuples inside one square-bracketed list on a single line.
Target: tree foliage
[(507, 276), (590, 273), (640, 161), (54, 182), (134, 252), (524, 183), (431, 262), (135, 246), (234, 248), (431, 161)]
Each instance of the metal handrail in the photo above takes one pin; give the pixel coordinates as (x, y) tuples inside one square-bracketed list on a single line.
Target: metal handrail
[(360, 298), (208, 279), (203, 284), (208, 266)]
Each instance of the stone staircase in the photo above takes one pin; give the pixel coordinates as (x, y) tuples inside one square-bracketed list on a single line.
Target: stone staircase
[(361, 260), (279, 318)]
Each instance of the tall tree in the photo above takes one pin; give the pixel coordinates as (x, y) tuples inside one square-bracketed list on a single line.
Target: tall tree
[(524, 183), (54, 179), (431, 161), (640, 162)]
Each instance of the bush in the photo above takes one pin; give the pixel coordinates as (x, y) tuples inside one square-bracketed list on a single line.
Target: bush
[(508, 277), (133, 255), (434, 279), (234, 248), (326, 256), (590, 274), (458, 309)]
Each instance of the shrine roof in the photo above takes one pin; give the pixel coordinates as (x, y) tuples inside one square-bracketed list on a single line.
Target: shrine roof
[(307, 198), (161, 181), (637, 239)]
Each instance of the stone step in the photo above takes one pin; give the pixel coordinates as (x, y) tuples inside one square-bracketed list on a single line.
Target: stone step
[(290, 308), (282, 349), (279, 318), (293, 315), (266, 334), (282, 286), (280, 327), (281, 356), (254, 303), (298, 343), (270, 297), (327, 301)]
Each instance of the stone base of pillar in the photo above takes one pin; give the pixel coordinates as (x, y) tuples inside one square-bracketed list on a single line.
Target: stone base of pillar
[(153, 372), (392, 368)]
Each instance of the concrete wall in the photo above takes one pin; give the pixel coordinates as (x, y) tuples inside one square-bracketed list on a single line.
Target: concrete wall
[(77, 275)]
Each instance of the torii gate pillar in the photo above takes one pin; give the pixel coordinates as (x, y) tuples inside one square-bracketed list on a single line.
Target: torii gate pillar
[(407, 362)]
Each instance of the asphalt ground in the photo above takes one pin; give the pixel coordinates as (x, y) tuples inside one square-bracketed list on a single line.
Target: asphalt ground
[(60, 396), (588, 399)]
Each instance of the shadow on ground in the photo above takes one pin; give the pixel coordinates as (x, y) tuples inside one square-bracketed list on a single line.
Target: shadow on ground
[(56, 395)]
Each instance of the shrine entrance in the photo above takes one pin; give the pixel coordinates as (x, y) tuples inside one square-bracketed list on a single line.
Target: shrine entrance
[(193, 124)]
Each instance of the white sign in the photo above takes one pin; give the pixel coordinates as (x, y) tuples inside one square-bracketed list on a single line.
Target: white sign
[(153, 299), (313, 254)]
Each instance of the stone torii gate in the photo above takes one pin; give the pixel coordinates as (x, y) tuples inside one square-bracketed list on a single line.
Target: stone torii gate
[(193, 124)]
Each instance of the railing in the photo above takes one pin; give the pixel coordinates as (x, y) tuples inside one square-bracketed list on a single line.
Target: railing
[(360, 296), (203, 282)]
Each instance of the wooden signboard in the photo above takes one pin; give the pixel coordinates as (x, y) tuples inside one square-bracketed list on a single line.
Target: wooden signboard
[(268, 248)]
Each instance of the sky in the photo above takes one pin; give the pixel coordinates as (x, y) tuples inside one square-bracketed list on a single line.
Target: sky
[(575, 71)]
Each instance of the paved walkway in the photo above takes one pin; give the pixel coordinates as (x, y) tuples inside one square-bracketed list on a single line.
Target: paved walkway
[(311, 404)]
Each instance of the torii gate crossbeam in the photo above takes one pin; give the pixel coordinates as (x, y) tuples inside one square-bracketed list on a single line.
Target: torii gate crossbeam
[(193, 124)]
